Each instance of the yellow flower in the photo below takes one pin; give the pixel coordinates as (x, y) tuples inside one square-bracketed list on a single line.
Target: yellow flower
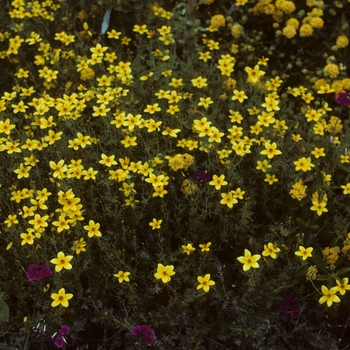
[(218, 181), (303, 164), (248, 260), (27, 238), (113, 34), (298, 190), (69, 203), (342, 41), (164, 273), (87, 73), (270, 250), (204, 56), (107, 160), (39, 221), (304, 252), (129, 141), (151, 109), (140, 29), (217, 21), (205, 102), (319, 207), (61, 298), (238, 193), (205, 247), (159, 191), (305, 30), (93, 229), (270, 150), (329, 296), (188, 249), (228, 199), (22, 171), (237, 31), (155, 180), (270, 179), (62, 261), (79, 246), (155, 224), (6, 127), (205, 282), (89, 174), (346, 188), (199, 82), (100, 110), (289, 31), (255, 74), (59, 168), (343, 285), (318, 152), (122, 276), (62, 223), (270, 104), (98, 50), (239, 95), (263, 165), (11, 220)]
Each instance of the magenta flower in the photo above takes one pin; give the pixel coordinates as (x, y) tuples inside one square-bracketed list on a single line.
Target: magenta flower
[(145, 332), (343, 98), (202, 175), (60, 342), (38, 272), (64, 330)]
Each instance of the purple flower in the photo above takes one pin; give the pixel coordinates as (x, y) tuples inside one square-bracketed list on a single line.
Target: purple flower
[(37, 272), (64, 330), (202, 175), (343, 98), (144, 331), (290, 306), (60, 342)]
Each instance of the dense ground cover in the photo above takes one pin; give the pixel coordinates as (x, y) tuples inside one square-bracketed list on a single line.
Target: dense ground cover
[(175, 175)]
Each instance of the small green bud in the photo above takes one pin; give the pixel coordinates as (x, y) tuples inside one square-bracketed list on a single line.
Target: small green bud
[(345, 26), (301, 13), (276, 25)]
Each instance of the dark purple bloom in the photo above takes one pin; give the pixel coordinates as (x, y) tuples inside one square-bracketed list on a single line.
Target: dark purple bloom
[(145, 332), (290, 306), (343, 98), (64, 330), (60, 342), (202, 175), (37, 272)]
